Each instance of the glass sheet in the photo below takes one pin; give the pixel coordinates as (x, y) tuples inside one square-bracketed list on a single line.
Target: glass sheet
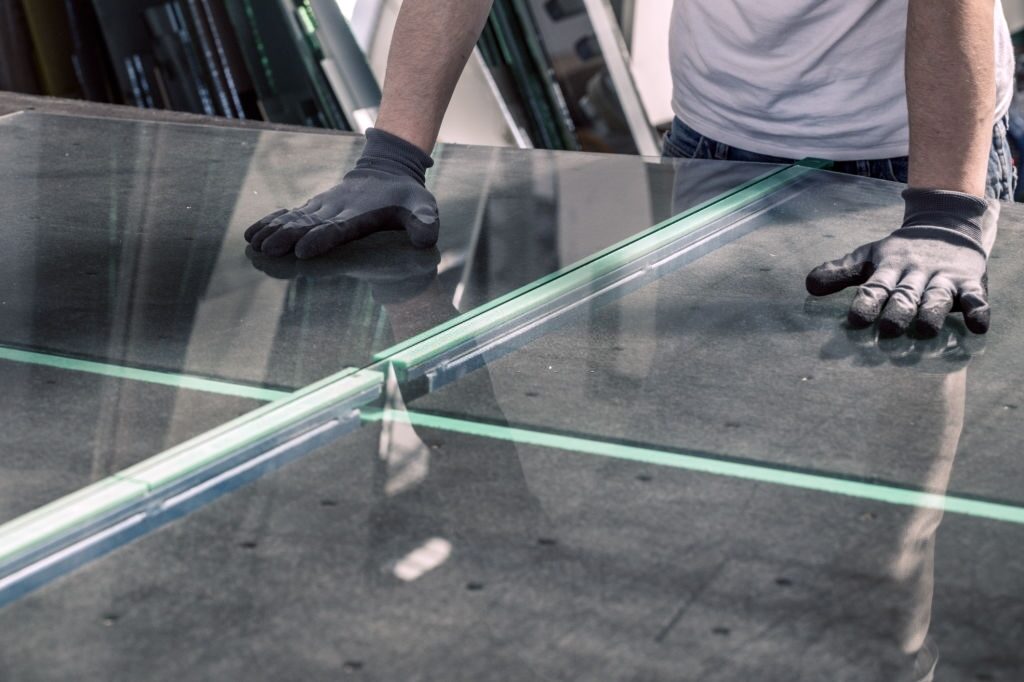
[(63, 430), (729, 355), (410, 553), (123, 243), (123, 251)]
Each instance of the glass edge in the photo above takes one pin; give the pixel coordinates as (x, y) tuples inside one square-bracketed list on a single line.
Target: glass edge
[(464, 327)]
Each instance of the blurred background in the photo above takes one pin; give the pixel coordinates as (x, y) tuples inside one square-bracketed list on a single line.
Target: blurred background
[(554, 74), (588, 75)]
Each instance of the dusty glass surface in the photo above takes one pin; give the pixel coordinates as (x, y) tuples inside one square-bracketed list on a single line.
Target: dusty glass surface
[(412, 553), (729, 355)]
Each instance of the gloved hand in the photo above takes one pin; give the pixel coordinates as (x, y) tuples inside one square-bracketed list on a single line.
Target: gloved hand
[(936, 262), (385, 191)]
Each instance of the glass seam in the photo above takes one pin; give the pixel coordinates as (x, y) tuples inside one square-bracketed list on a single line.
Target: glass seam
[(422, 345), (61, 516), (470, 325), (835, 485), (424, 336), (172, 379)]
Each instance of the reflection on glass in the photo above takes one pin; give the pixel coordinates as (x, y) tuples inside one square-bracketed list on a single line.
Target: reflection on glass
[(125, 255), (143, 261), (727, 358), (423, 559), (64, 429), (558, 561), (728, 355), (406, 458), (680, 574)]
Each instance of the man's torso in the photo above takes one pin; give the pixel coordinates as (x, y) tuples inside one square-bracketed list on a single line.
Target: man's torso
[(798, 78)]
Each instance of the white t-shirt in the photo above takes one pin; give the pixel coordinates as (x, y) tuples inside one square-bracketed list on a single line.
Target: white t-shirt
[(799, 78)]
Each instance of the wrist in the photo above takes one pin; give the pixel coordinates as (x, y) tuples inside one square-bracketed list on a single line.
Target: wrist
[(953, 212), (391, 154)]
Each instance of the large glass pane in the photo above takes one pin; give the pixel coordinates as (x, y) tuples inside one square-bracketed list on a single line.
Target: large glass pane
[(414, 553), (127, 281), (728, 355)]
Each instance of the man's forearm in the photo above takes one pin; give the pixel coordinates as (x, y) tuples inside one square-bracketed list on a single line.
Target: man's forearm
[(432, 42), (950, 72)]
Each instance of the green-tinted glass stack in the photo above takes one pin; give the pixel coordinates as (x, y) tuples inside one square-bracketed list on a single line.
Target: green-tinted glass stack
[(254, 59), (264, 60), (512, 49)]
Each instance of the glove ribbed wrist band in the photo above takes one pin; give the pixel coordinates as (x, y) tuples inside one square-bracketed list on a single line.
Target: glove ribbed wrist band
[(958, 212), (391, 154)]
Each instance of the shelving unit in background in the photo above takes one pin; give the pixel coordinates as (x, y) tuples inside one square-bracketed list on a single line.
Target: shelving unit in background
[(539, 78), (254, 59)]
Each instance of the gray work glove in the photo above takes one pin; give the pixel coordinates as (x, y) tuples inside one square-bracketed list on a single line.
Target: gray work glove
[(936, 262), (385, 191)]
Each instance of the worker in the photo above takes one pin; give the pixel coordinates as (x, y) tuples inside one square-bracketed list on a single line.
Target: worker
[(914, 91)]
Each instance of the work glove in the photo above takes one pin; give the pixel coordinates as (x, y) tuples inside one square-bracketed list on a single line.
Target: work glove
[(936, 262), (385, 191)]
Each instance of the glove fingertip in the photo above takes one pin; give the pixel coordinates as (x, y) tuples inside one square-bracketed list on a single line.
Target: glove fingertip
[(858, 320), (308, 248), (978, 320), (317, 242), (973, 303), (929, 323), (274, 247), (816, 284), (889, 327), (864, 310), (828, 278), (255, 228)]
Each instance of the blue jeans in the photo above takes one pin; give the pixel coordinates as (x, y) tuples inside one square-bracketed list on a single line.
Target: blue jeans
[(682, 141)]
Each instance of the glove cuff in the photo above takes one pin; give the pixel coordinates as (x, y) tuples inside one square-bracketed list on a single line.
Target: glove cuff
[(953, 211), (391, 154)]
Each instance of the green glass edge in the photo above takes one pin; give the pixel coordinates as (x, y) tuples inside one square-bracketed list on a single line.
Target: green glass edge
[(258, 413), (751, 472), (550, 287), (39, 525), (140, 479), (185, 381), (134, 483), (212, 446), (390, 352)]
